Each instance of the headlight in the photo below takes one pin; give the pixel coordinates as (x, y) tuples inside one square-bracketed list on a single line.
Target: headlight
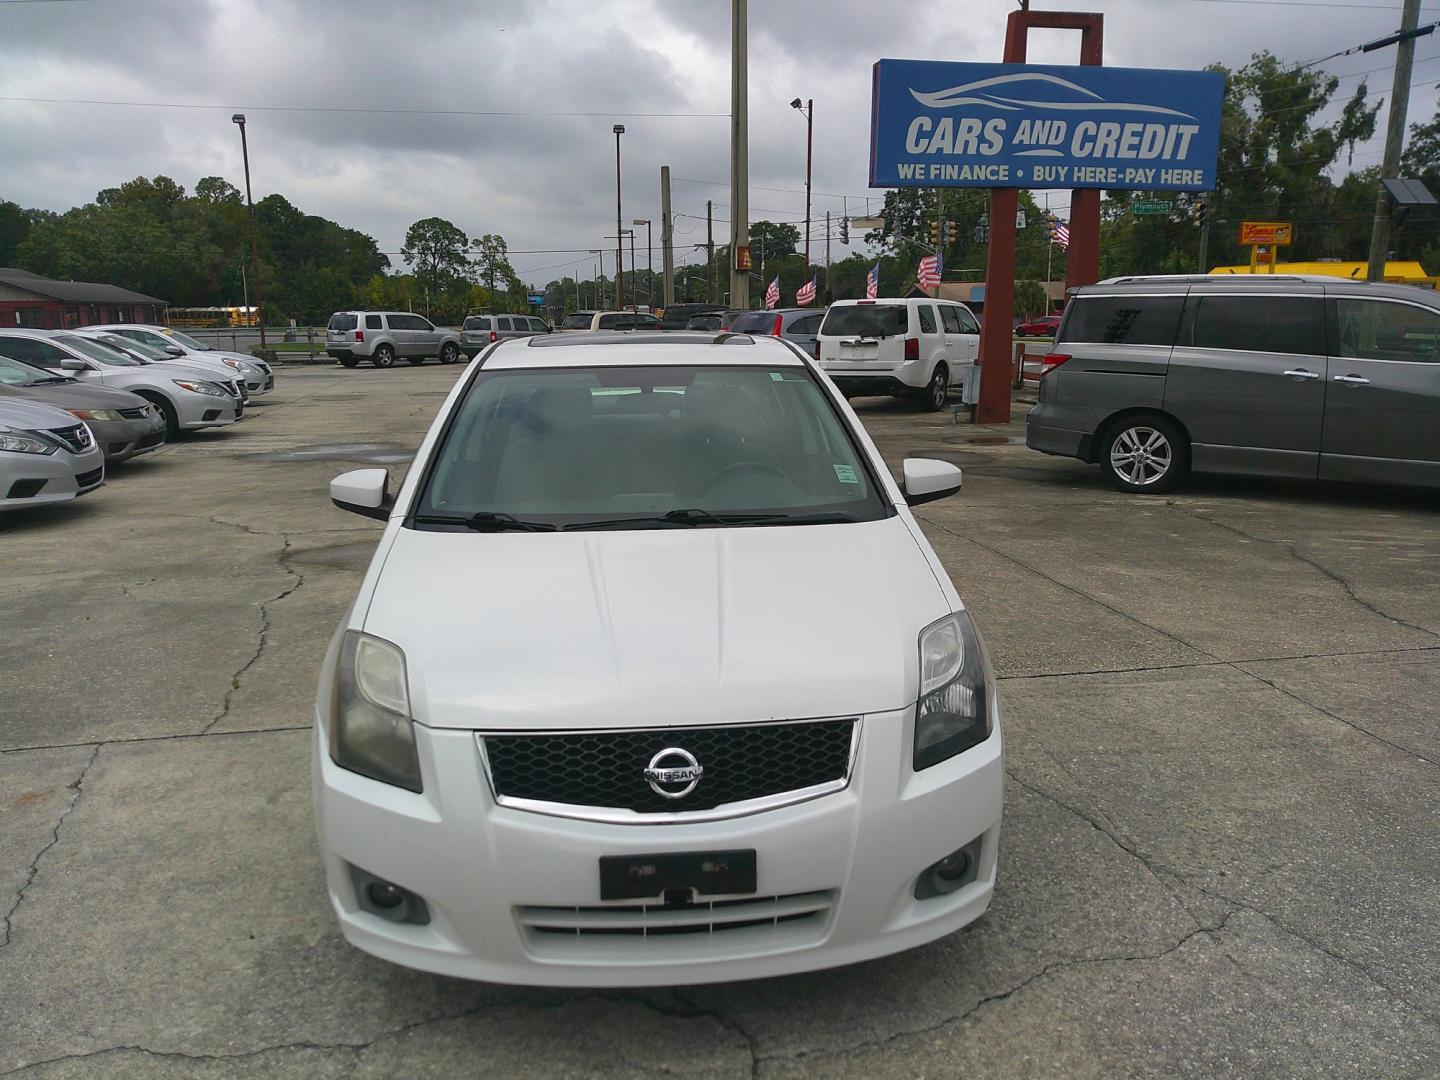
[(25, 444), (95, 414), (371, 732), (209, 389), (241, 366), (952, 714)]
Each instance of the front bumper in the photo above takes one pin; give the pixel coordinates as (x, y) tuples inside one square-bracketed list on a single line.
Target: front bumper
[(28, 480), (202, 411), (125, 439), (484, 871)]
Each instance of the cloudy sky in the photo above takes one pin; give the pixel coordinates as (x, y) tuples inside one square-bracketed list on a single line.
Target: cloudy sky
[(378, 112)]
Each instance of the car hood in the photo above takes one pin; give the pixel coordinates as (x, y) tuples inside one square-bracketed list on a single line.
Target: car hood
[(17, 413), (657, 627), (74, 395), (215, 354), (183, 369)]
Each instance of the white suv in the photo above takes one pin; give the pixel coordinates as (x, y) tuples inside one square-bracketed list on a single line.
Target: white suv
[(381, 336), (903, 347), (599, 715)]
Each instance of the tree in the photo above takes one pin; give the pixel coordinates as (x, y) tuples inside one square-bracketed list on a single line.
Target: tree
[(14, 228), (492, 262), (216, 190), (1031, 299), (435, 249), (774, 239)]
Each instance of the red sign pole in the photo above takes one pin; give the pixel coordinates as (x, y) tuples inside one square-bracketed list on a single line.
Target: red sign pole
[(1082, 266)]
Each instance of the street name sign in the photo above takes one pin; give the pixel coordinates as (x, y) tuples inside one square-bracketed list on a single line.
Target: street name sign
[(941, 124), (1154, 207)]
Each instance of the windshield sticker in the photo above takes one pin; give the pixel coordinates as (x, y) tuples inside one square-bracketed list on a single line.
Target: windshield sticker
[(846, 474)]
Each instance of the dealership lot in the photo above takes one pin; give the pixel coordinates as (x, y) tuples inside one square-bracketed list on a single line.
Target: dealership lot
[(1220, 837)]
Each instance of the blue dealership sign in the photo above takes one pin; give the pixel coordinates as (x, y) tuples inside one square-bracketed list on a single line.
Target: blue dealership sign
[(536, 298), (940, 124)]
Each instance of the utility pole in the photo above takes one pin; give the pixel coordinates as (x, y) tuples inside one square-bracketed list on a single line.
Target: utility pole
[(634, 286), (710, 247), (827, 252), (809, 110), (1394, 134), (619, 130), (667, 236), (739, 158), (649, 262)]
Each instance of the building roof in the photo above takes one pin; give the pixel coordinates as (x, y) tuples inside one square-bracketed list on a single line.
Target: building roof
[(72, 292)]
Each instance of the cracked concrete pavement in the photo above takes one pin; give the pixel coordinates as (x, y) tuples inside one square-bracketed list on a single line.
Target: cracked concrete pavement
[(1221, 840)]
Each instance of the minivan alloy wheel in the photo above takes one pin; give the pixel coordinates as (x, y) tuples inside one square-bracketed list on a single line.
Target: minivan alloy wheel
[(938, 389), (450, 353), (1142, 455), (384, 356)]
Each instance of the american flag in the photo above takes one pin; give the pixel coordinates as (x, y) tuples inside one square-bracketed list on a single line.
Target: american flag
[(1059, 231), (872, 282), (806, 296), (772, 293), (930, 268)]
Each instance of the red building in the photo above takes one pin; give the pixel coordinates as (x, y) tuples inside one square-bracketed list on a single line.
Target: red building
[(42, 303)]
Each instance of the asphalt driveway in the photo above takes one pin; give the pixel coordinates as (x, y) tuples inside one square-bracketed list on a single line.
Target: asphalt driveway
[(1222, 836)]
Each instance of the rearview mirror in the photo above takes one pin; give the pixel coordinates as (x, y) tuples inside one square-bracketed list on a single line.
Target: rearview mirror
[(174, 350), (363, 491), (69, 363), (925, 480)]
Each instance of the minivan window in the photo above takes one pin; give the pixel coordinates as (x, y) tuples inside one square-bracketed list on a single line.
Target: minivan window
[(1123, 320), (575, 447), (950, 316), (611, 322), (576, 322), (1273, 324), (373, 322), (1381, 330), (342, 321), (476, 322), (754, 322), (866, 320), (927, 319), (968, 323)]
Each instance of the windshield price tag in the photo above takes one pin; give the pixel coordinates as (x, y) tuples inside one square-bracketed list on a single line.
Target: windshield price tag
[(846, 474)]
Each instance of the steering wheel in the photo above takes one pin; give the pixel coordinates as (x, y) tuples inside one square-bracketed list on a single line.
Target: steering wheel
[(736, 467)]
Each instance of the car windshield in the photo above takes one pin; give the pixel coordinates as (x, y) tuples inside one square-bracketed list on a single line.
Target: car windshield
[(576, 322), (146, 352), (14, 373), (865, 320), (97, 351), (616, 447), (475, 322), (187, 341), (754, 322)]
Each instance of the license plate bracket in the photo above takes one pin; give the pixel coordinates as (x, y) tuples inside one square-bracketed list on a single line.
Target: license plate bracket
[(708, 873)]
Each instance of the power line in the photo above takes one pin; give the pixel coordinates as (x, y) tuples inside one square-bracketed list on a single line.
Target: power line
[(358, 109)]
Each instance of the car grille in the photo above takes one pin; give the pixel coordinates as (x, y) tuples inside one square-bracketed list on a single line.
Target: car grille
[(269, 382), (657, 920), (231, 388), (155, 438), (77, 438), (89, 479), (136, 414), (606, 768)]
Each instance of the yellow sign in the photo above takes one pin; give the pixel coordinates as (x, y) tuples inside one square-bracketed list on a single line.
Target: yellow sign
[(1276, 233)]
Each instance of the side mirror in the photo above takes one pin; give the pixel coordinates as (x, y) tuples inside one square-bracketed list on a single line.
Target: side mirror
[(925, 480), (174, 350), (363, 492), (69, 363)]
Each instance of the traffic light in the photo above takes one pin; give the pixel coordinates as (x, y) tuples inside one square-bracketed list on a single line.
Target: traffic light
[(1199, 214), (950, 230), (844, 230), (934, 233)]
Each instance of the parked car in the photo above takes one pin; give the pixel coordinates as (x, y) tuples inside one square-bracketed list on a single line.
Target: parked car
[(188, 397), (1273, 375), (46, 456), (905, 347), (800, 325), (600, 716), (711, 321), (608, 320), (381, 336), (478, 331), (146, 354), (1044, 326), (124, 425), (256, 375), (678, 316)]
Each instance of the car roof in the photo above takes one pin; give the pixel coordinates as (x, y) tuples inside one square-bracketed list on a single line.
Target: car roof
[(601, 349)]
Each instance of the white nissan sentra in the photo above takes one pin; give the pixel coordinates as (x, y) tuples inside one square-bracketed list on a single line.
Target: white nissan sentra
[(653, 679)]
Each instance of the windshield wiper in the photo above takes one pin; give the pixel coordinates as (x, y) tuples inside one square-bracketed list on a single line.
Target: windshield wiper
[(485, 521), (690, 518), (52, 380)]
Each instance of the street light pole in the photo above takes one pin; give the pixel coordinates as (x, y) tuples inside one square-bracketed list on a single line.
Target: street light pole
[(239, 118), (595, 281), (634, 290), (619, 130), (649, 263), (809, 110)]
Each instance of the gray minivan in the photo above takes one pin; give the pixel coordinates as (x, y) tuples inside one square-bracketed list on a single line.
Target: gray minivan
[(1272, 375)]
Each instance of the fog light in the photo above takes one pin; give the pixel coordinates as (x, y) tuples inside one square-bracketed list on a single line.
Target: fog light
[(383, 894), (386, 900), (951, 873)]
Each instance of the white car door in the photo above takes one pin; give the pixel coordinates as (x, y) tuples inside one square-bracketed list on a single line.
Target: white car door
[(962, 334)]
